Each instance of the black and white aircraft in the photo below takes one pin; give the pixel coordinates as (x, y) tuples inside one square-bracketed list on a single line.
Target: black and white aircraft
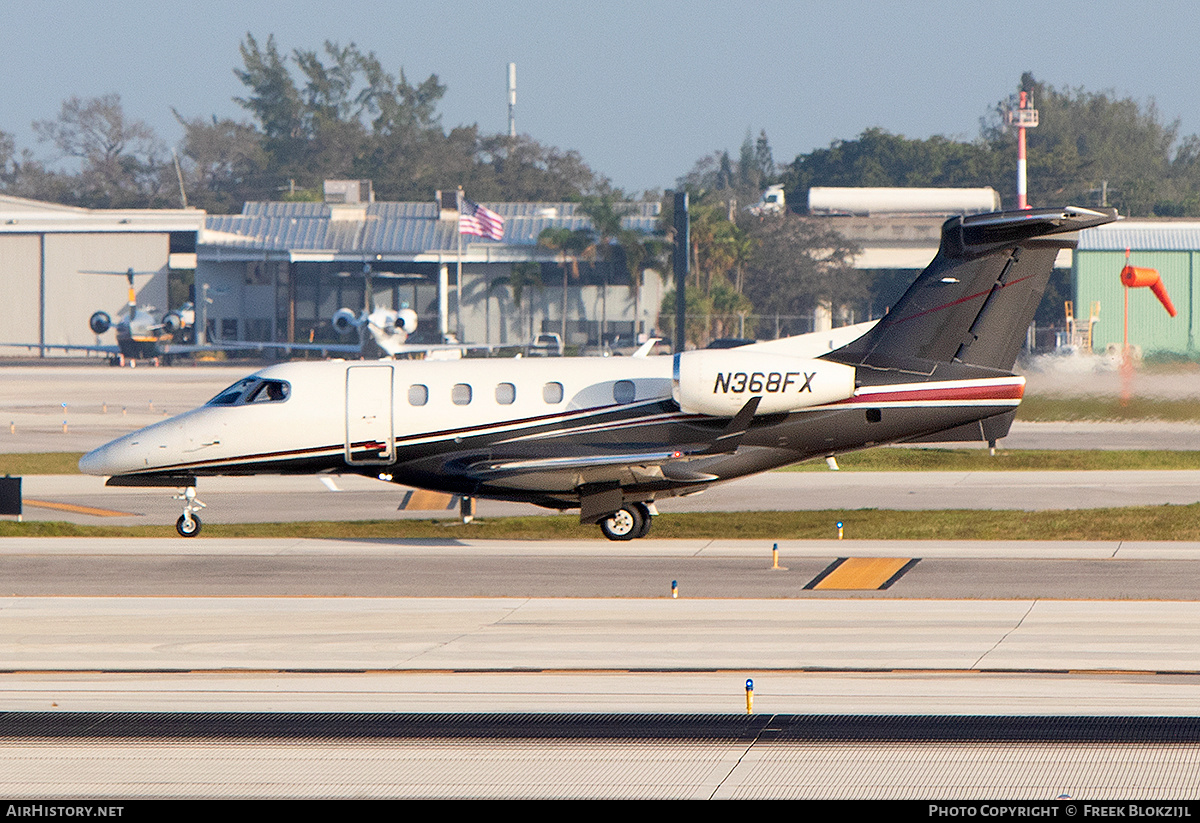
[(609, 436)]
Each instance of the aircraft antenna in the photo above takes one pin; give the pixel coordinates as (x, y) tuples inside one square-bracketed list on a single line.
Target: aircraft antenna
[(512, 99)]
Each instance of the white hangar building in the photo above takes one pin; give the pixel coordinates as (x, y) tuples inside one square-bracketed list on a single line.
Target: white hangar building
[(47, 252)]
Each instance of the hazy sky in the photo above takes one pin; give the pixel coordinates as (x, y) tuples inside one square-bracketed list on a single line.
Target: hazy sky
[(641, 90)]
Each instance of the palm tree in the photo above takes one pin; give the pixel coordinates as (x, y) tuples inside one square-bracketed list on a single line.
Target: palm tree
[(606, 215), (569, 245), (641, 252), (521, 275)]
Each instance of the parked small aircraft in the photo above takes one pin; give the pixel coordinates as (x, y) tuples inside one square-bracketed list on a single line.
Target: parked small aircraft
[(140, 335), (609, 436)]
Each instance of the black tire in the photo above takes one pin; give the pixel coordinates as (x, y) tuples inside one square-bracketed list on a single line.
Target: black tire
[(181, 526), (623, 524), (644, 511)]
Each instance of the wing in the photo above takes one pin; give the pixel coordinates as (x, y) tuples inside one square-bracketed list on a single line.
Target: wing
[(33, 347)]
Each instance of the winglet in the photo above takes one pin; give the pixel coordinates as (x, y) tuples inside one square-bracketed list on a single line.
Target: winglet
[(645, 349)]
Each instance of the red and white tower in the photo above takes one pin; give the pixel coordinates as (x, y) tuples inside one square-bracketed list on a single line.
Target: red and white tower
[(1023, 117)]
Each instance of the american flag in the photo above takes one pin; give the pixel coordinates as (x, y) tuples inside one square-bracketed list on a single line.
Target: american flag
[(475, 219)]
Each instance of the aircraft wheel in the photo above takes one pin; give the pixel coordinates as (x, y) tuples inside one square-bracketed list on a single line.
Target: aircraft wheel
[(644, 511), (624, 524), (187, 528)]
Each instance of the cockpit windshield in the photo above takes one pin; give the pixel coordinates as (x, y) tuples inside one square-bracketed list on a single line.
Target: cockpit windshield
[(252, 390)]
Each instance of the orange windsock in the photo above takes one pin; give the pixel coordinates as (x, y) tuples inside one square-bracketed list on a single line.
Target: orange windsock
[(1133, 276)]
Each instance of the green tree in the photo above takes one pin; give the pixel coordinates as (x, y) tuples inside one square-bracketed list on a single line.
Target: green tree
[(122, 163), (799, 264), (569, 244), (878, 158), (521, 276), (640, 252), (605, 213), (224, 164), (1085, 140)]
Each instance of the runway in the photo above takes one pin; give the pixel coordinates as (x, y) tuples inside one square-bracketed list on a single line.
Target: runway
[(170, 626), (1048, 761)]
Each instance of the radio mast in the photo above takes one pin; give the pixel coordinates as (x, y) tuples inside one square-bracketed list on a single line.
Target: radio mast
[(1023, 117)]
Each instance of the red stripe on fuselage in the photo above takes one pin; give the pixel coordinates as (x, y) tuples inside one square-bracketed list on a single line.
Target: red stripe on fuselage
[(949, 394)]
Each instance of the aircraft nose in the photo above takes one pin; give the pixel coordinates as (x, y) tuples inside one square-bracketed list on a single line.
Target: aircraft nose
[(100, 461)]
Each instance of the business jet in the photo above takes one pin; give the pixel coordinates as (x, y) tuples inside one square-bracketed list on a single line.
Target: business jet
[(610, 436)]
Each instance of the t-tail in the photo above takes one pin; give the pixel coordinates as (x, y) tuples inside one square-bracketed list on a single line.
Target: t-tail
[(973, 304)]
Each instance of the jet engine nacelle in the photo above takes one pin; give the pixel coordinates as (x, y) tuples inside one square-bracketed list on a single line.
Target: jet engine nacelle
[(100, 322), (719, 382), (407, 320), (344, 321)]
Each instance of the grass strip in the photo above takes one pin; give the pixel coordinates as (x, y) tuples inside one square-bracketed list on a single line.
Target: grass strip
[(1165, 522), (1040, 408), (40, 463), (911, 458)]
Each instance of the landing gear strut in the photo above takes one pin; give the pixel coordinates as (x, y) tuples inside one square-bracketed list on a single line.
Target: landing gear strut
[(630, 521), (188, 524)]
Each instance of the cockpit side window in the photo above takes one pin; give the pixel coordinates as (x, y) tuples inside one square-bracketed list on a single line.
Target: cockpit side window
[(269, 391), (253, 390), (233, 394)]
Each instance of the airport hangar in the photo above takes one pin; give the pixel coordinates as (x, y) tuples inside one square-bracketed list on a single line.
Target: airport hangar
[(47, 250), (1172, 248), (280, 270)]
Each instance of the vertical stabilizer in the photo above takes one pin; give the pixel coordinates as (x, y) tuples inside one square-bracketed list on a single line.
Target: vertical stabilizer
[(973, 303)]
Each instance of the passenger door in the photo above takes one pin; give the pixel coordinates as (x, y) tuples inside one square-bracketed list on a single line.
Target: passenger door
[(369, 431)]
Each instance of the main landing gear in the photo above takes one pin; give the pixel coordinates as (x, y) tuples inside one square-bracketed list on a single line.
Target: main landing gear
[(630, 521), (188, 524)]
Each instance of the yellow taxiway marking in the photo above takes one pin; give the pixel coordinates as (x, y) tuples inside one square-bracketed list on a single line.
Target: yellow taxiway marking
[(861, 573), (70, 507), (423, 500)]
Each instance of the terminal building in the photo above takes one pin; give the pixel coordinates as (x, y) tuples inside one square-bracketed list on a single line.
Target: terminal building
[(279, 272)]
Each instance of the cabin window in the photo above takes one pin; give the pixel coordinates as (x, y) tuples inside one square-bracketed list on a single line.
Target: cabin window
[(418, 394), (623, 391), (460, 395), (552, 392), (506, 393)]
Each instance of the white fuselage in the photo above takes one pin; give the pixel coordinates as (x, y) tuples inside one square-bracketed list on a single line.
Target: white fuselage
[(333, 405), (333, 408)]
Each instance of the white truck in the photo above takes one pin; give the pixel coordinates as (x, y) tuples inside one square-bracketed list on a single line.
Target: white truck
[(771, 202)]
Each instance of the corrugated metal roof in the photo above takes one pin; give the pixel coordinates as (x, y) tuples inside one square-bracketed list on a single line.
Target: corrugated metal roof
[(396, 228), (428, 211), (1143, 235), (285, 210)]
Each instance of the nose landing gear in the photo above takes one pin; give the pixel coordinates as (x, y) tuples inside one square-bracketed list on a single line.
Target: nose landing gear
[(188, 524)]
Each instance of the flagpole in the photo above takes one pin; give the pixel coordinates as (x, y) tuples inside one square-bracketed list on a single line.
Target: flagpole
[(457, 276)]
